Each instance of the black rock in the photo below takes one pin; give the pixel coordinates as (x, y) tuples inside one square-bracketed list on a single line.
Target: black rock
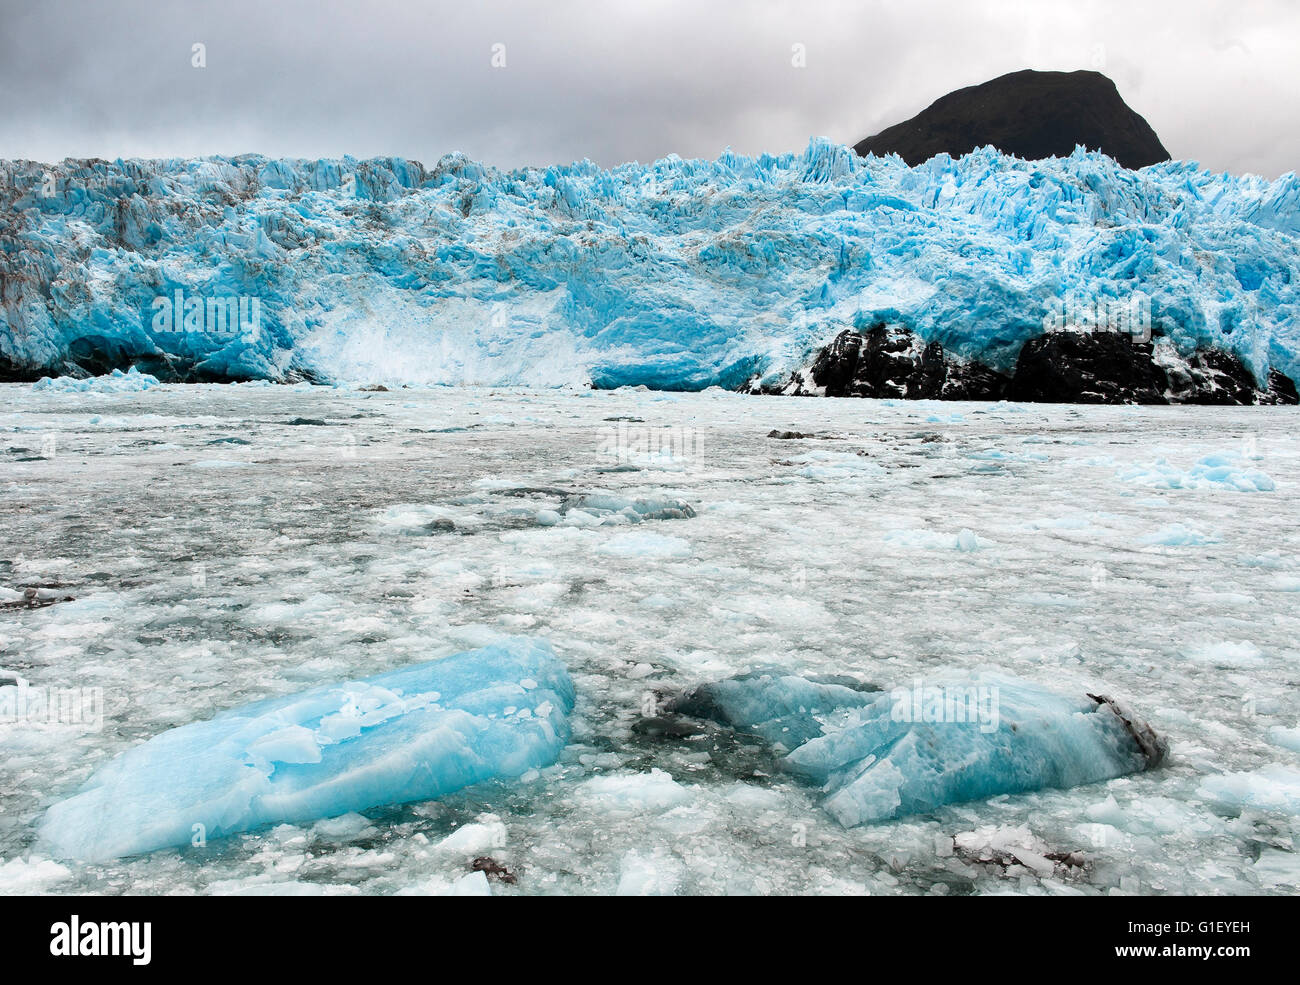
[(1029, 114), (1057, 367), (11, 372), (884, 362), (1213, 377), (891, 362), (1081, 368), (972, 381), (837, 363), (1281, 389)]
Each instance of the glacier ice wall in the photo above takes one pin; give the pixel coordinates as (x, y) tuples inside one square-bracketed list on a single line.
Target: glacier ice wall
[(677, 274), (410, 734)]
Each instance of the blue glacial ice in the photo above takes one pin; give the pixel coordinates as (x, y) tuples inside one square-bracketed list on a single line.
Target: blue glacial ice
[(132, 381), (678, 274), (406, 735), (1215, 471), (884, 755)]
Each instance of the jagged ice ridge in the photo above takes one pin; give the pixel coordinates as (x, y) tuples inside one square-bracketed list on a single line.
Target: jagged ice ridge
[(679, 274)]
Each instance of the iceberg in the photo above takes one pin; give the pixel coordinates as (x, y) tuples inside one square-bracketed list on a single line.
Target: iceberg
[(411, 734), (1216, 471), (884, 755), (132, 381), (677, 274)]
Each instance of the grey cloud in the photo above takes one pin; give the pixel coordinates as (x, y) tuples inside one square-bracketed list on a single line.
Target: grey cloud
[(613, 82)]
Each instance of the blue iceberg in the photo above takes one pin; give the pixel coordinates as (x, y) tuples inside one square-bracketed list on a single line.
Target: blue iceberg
[(783, 709), (885, 755), (406, 735), (676, 274)]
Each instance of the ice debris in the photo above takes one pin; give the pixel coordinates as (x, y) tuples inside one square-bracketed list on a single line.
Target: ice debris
[(1209, 472), (132, 381)]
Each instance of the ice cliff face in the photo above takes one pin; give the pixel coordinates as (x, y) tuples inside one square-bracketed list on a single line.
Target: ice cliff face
[(677, 274)]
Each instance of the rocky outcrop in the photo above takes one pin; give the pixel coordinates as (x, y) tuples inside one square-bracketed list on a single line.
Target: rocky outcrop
[(972, 381), (890, 361), (882, 363), (1079, 368), (1029, 114), (1213, 377), (1075, 367), (1282, 388)]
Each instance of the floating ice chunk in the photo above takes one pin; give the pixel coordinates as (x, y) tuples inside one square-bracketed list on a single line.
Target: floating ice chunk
[(1177, 535), (1226, 654), (473, 884), (1211, 471), (1272, 788), (645, 545), (132, 381), (422, 520), (1287, 738), (782, 708), (1277, 868), (609, 508), (948, 740), (927, 752), (345, 827), (411, 734), (649, 875), (635, 792), (833, 465), (482, 836), (964, 541), (1006, 844), (580, 518), (20, 877)]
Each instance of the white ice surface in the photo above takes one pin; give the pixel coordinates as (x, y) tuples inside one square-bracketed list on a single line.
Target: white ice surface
[(200, 589)]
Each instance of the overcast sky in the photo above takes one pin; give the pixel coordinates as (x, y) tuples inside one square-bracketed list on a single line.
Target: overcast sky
[(614, 81)]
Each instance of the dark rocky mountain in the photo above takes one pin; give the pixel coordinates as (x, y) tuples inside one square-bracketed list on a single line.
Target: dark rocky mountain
[(1029, 114)]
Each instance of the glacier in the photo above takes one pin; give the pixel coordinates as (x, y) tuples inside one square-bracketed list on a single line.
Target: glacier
[(946, 740), (410, 734), (677, 274)]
